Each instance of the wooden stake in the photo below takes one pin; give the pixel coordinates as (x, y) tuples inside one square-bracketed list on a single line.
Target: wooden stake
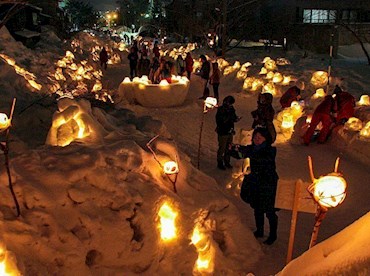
[(311, 169), (320, 215), (336, 165), (293, 221)]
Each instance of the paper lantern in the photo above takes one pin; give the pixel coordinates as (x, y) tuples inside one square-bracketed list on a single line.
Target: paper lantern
[(167, 226), (365, 131), (171, 167), (353, 124), (329, 191), (319, 78), (364, 100), (4, 122)]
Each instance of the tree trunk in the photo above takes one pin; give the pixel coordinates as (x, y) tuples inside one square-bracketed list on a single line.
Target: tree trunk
[(359, 40)]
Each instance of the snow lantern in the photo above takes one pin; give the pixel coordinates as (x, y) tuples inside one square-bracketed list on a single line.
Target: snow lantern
[(210, 102), (278, 77), (59, 75), (296, 109), (263, 71), (241, 75), (4, 122), (35, 85), (270, 64), (248, 82), (167, 218), (353, 124), (257, 83), (8, 266), (269, 88), (288, 121), (270, 75), (319, 78), (170, 167), (163, 83), (364, 100), (8, 60), (228, 70), (201, 239), (286, 80), (320, 93), (266, 59), (365, 131), (237, 65), (97, 86)]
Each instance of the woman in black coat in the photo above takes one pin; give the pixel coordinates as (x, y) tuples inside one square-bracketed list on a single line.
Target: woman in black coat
[(259, 187)]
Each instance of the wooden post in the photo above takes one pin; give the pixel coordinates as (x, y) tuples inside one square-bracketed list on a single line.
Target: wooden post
[(320, 215), (293, 221)]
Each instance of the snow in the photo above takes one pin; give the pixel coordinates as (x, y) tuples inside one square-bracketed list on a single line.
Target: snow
[(91, 207)]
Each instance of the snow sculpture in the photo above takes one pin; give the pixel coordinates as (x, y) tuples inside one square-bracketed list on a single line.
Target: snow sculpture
[(74, 121), (147, 94)]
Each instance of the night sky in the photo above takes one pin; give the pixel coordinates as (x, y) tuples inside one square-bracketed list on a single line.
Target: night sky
[(103, 4)]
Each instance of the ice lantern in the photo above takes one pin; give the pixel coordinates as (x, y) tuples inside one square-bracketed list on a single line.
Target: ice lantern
[(170, 167), (319, 78), (4, 122), (210, 102)]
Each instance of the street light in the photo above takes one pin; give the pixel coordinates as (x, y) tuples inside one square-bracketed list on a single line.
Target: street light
[(327, 191)]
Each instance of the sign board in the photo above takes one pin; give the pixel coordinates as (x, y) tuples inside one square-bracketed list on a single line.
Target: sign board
[(285, 195)]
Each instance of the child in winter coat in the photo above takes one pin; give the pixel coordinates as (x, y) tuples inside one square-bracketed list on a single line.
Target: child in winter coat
[(345, 105)]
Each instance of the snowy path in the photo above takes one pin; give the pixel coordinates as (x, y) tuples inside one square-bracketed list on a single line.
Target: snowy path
[(183, 123)]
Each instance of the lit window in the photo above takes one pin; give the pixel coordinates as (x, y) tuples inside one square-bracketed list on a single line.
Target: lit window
[(319, 16)]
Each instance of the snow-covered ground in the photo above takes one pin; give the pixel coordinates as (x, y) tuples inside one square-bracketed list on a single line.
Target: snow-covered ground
[(92, 207)]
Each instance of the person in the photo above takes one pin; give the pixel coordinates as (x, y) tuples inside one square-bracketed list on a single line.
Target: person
[(103, 56), (264, 114), (153, 68), (156, 52), (133, 57), (180, 65), (214, 80), (225, 119), (259, 187), (323, 113), (345, 105), (189, 64), (204, 74), (292, 94)]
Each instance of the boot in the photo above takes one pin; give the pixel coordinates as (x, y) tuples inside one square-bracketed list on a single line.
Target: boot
[(259, 218), (273, 221)]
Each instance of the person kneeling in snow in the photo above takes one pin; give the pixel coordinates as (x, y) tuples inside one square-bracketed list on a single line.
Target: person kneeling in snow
[(292, 94), (345, 104), (259, 187), (324, 113)]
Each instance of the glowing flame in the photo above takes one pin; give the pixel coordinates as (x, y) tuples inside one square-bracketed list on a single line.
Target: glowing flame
[(329, 190), (170, 167), (4, 122), (364, 100), (319, 78), (206, 251), (167, 222)]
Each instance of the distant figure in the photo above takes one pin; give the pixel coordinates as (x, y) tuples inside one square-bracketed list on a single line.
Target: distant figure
[(156, 52), (153, 68), (189, 64), (324, 113), (133, 57), (225, 119), (204, 74), (214, 80), (259, 187), (291, 95), (345, 105), (180, 65), (103, 56), (264, 114)]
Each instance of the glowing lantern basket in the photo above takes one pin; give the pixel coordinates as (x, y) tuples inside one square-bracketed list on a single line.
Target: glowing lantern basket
[(328, 192)]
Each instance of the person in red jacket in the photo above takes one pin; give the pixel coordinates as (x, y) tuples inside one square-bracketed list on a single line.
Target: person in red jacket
[(292, 94), (324, 114), (214, 80), (345, 105), (189, 64)]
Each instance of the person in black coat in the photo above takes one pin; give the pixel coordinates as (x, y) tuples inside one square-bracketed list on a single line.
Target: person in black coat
[(225, 119), (133, 58), (204, 74), (259, 187)]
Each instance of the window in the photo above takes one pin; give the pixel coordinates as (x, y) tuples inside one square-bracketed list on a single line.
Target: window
[(349, 15), (319, 16)]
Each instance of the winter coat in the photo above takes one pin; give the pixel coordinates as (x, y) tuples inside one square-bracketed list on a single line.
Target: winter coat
[(289, 96), (156, 52), (261, 183), (215, 77), (346, 106), (327, 106), (133, 57), (205, 70), (189, 63), (225, 119), (103, 56)]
